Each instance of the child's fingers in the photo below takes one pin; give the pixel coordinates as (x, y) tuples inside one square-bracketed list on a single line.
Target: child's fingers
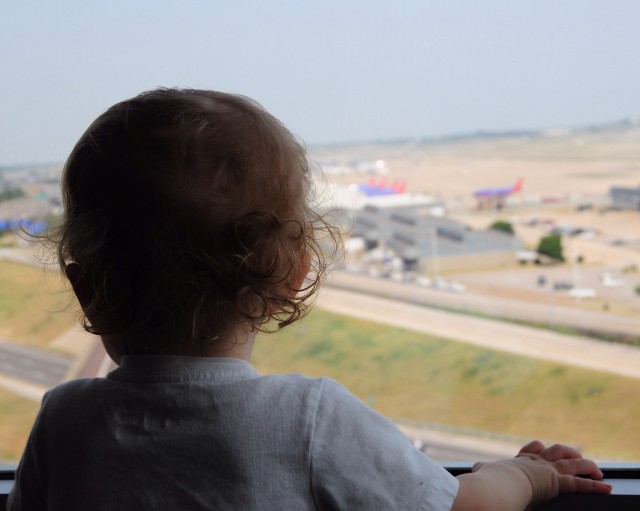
[(575, 484), (533, 447), (559, 452), (477, 465), (581, 466)]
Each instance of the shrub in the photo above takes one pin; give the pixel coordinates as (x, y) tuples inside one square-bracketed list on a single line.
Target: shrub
[(502, 226), (551, 246)]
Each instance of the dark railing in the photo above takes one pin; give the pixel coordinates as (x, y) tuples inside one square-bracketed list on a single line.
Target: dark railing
[(624, 478)]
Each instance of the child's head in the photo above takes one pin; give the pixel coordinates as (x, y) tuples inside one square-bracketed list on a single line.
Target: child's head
[(186, 215)]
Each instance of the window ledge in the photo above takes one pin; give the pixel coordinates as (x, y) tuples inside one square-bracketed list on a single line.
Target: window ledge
[(624, 477), (625, 496)]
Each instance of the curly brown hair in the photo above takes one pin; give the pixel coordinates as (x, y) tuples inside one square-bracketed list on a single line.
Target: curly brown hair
[(187, 213)]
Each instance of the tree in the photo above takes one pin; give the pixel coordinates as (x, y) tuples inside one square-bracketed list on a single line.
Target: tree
[(502, 226), (551, 246), (13, 193)]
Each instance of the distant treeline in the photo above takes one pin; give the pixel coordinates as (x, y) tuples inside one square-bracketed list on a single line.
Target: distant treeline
[(619, 125), (13, 193)]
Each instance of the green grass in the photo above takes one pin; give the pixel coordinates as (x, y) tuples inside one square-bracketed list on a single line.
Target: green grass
[(33, 304), (403, 374), (407, 375), (16, 418), (33, 311)]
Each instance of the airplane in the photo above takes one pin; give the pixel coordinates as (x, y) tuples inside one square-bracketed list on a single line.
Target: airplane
[(380, 187), (500, 191), (496, 196)]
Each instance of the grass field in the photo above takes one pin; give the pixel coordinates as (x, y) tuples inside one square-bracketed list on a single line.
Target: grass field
[(402, 374), (16, 418), (33, 311), (406, 375), (33, 304)]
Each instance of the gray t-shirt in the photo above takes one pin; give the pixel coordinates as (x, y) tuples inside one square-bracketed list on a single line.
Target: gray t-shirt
[(166, 432)]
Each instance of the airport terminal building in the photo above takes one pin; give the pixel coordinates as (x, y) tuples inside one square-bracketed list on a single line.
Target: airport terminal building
[(422, 239), (625, 198)]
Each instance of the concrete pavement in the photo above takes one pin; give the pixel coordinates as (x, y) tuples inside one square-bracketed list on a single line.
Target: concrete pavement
[(532, 342), (522, 310)]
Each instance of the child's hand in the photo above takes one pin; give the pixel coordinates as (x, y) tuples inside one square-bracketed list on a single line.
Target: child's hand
[(553, 470), (536, 475)]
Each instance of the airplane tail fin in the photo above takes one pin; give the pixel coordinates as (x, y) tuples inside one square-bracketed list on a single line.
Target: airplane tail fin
[(518, 186)]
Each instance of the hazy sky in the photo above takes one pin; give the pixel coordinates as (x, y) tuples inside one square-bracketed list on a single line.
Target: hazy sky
[(331, 70)]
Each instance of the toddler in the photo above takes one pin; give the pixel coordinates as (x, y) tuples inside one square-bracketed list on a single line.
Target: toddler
[(187, 230)]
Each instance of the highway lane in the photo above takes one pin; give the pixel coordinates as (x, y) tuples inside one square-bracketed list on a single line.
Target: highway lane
[(33, 365), (522, 310)]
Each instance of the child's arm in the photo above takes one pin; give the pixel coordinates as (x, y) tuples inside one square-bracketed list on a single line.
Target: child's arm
[(534, 476)]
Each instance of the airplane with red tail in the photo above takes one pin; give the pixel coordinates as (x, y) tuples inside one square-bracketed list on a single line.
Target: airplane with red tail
[(495, 197), (377, 187), (500, 191)]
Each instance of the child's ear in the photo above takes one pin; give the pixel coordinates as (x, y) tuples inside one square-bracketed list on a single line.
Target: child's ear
[(296, 283), (79, 284)]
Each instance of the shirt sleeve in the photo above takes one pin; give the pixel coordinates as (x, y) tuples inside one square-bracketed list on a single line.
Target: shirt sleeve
[(361, 460)]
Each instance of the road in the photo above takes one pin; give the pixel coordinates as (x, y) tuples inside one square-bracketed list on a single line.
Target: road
[(97, 364), (35, 366), (495, 306), (578, 351)]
